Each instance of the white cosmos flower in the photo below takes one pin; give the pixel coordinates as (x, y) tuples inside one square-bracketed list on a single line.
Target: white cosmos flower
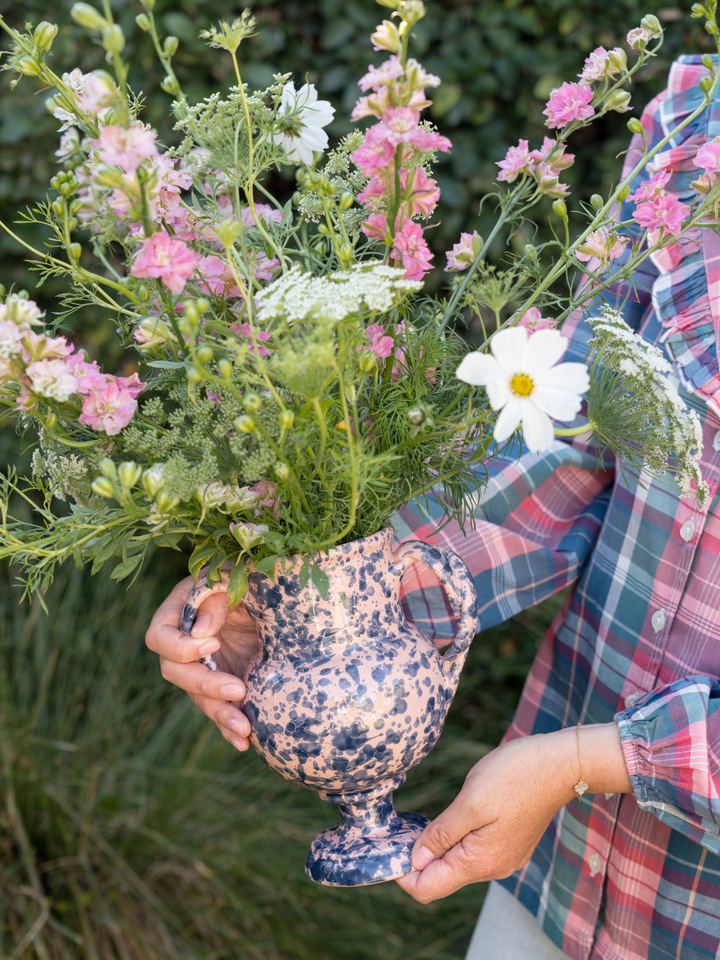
[(525, 382), (300, 121)]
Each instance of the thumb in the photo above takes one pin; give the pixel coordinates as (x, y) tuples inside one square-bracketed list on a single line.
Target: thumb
[(211, 616), (441, 835)]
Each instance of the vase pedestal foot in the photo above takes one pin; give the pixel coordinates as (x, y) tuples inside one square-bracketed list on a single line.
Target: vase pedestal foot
[(371, 844)]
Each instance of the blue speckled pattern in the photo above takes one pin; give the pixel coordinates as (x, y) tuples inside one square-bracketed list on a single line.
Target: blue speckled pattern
[(345, 695)]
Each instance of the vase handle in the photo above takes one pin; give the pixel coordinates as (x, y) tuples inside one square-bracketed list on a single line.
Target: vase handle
[(201, 590), (455, 577)]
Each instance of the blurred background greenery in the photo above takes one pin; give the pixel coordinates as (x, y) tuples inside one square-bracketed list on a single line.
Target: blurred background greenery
[(128, 828)]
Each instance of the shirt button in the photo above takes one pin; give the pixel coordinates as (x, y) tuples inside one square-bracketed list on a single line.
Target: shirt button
[(594, 863), (687, 530), (658, 620), (716, 441), (631, 698)]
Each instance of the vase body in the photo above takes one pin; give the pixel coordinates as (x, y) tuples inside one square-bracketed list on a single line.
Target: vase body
[(345, 695)]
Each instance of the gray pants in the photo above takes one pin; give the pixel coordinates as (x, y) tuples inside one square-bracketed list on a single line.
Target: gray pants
[(507, 931)]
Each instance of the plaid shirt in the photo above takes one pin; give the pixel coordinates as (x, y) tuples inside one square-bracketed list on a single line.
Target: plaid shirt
[(634, 876)]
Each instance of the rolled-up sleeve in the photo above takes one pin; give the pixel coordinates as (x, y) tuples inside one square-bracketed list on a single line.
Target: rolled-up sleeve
[(671, 743), (531, 532)]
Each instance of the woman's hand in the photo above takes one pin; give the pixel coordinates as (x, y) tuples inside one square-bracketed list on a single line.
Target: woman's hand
[(506, 804), (226, 632)]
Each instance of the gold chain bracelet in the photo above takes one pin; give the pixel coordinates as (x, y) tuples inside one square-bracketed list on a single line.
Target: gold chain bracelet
[(580, 787)]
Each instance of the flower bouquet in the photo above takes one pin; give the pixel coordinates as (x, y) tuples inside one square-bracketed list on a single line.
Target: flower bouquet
[(294, 387)]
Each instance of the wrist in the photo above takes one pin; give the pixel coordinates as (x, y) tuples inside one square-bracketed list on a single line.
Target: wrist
[(603, 762)]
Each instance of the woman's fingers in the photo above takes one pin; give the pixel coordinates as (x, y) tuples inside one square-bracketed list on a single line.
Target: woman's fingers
[(197, 680), (211, 617)]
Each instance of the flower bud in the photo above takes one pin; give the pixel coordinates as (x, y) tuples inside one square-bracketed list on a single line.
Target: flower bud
[(346, 200), (386, 37), (193, 374), (367, 361), (618, 58), (651, 23), (148, 4), (245, 424), (108, 469), (252, 402), (707, 62), (143, 293), (529, 250), (705, 83), (228, 232), (711, 27), (560, 209), (87, 16), (345, 251), (416, 416), (393, 4), (153, 480), (225, 369), (170, 46), (597, 201), (205, 353), (103, 487), (165, 502), (248, 534), (129, 473), (634, 125), (623, 193), (143, 21), (282, 471), (51, 420), (44, 35), (113, 39), (619, 101), (698, 10), (75, 251), (170, 85), (75, 207), (413, 11), (58, 207), (28, 66), (287, 418)]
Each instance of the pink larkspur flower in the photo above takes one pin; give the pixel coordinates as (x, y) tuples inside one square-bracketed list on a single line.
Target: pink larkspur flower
[(602, 64), (708, 156), (410, 247), (86, 372), (36, 346), (10, 338), (167, 259), (375, 227), (569, 102), (377, 77), (217, 277), (108, 409), (377, 151), (663, 212), (604, 246), (265, 212), (422, 192), (517, 161), (464, 252), (133, 384), (52, 379), (549, 183), (652, 188), (639, 38), (401, 124), (532, 320), (552, 154), (373, 105), (378, 343), (93, 94), (427, 140), (417, 76), (261, 336), (126, 148)]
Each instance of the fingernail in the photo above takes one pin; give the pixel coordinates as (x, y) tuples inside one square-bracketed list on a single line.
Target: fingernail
[(239, 725), (233, 691), (238, 744), (200, 625), (210, 647), (421, 857)]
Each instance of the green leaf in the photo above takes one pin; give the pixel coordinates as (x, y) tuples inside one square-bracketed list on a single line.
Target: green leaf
[(123, 570), (78, 557), (169, 540), (166, 364), (267, 566), (214, 565), (304, 574), (237, 587), (200, 556), (320, 579)]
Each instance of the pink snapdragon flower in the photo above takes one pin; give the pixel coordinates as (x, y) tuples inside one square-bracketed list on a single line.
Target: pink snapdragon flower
[(569, 102), (126, 148), (664, 212), (108, 409), (377, 77), (463, 253), (532, 321), (708, 157), (52, 379), (604, 246), (378, 343), (167, 259), (652, 188)]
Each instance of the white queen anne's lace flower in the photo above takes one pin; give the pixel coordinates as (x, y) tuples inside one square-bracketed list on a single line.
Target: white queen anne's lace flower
[(525, 382), (300, 121)]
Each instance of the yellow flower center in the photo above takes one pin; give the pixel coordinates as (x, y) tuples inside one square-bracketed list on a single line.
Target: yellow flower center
[(522, 385)]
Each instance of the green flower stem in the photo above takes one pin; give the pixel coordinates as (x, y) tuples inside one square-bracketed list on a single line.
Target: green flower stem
[(165, 61), (574, 431), (323, 435), (354, 492)]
